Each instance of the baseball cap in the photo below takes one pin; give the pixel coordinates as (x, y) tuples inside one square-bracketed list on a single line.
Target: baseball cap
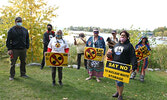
[(18, 19), (114, 31), (95, 29)]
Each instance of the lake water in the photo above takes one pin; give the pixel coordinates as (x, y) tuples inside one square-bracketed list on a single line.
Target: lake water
[(70, 38)]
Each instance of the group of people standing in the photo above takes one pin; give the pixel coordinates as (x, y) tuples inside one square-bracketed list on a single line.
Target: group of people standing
[(120, 50)]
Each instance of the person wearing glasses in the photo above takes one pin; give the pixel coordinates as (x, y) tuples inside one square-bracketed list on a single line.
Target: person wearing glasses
[(123, 52), (95, 68)]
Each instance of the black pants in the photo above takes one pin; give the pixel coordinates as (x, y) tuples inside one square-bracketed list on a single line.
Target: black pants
[(59, 73), (79, 60), (22, 56), (43, 59)]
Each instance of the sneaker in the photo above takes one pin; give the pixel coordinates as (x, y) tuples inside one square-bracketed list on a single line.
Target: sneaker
[(120, 98), (60, 83), (115, 95), (88, 78), (142, 78), (11, 79), (53, 83), (133, 75), (24, 76)]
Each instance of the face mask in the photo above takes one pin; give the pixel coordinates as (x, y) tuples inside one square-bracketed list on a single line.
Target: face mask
[(122, 39), (19, 24), (59, 36), (49, 29)]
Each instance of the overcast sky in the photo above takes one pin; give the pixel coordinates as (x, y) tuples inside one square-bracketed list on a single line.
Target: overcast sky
[(115, 14)]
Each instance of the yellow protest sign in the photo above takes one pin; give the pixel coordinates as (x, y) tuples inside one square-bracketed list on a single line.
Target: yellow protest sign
[(142, 53), (91, 53), (56, 59), (117, 71)]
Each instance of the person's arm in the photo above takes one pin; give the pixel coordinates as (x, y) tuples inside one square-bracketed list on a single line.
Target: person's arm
[(104, 46), (66, 49), (27, 40), (45, 40), (133, 58), (49, 50), (75, 42), (9, 40), (83, 40), (49, 46)]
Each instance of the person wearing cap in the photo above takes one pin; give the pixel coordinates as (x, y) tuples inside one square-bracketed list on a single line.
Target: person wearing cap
[(142, 64), (111, 41), (95, 68), (48, 35), (80, 43), (123, 52), (17, 43)]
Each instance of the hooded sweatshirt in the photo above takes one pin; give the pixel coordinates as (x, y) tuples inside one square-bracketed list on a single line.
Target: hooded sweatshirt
[(125, 53)]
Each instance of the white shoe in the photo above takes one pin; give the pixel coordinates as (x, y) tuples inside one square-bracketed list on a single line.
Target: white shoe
[(11, 79), (97, 79), (88, 78)]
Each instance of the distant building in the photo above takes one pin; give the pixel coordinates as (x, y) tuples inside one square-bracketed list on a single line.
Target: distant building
[(149, 34)]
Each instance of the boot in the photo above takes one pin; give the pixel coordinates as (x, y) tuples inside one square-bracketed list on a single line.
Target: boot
[(115, 95), (133, 75), (120, 98), (142, 78), (53, 83)]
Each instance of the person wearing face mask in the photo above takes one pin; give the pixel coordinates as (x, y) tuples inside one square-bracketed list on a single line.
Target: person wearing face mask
[(17, 43), (95, 68), (48, 35), (57, 45), (123, 52)]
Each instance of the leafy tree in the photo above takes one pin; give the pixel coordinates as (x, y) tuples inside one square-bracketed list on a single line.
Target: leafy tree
[(160, 31), (35, 15)]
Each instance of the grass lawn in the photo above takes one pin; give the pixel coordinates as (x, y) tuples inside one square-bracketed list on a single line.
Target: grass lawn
[(39, 86)]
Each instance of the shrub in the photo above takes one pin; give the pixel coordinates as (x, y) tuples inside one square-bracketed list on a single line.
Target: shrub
[(158, 57)]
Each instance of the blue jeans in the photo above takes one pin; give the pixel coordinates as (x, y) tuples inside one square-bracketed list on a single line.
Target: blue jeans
[(120, 84)]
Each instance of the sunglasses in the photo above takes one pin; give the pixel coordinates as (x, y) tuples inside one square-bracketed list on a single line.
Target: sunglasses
[(96, 32)]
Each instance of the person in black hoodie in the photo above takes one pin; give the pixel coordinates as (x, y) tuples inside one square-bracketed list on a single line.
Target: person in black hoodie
[(46, 38), (123, 52)]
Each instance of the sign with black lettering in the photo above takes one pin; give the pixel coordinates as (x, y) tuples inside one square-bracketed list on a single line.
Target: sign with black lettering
[(117, 71), (56, 59), (91, 53), (142, 53)]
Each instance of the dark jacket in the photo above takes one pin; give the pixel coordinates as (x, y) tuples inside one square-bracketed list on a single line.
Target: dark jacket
[(125, 53), (46, 38), (18, 38)]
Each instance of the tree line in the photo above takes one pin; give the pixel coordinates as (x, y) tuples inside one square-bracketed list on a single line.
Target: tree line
[(160, 31)]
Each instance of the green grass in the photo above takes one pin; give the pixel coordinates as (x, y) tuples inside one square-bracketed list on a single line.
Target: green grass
[(39, 86)]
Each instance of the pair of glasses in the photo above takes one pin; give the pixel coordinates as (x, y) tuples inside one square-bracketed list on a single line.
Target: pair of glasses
[(96, 32)]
